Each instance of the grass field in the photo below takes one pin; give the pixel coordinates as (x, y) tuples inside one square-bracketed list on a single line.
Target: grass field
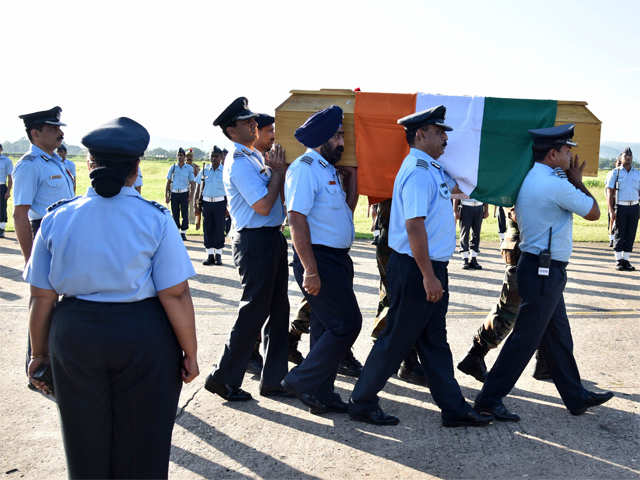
[(154, 176)]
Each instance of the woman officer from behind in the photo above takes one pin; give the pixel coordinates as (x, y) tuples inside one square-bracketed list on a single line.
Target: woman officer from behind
[(122, 340)]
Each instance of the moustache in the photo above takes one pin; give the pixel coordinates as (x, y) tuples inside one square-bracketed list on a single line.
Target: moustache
[(444, 144), (60, 137), (340, 149)]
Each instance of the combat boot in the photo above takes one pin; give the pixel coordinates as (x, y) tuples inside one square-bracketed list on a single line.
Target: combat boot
[(541, 371), (1, 233), (255, 362), (294, 354), (474, 265), (350, 366), (218, 259), (210, 260), (473, 364), (411, 370), (466, 265)]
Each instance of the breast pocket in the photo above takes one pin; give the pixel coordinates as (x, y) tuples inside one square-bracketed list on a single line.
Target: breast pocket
[(331, 196), (55, 181)]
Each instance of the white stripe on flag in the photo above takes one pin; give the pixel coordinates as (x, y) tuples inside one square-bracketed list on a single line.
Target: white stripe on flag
[(462, 155)]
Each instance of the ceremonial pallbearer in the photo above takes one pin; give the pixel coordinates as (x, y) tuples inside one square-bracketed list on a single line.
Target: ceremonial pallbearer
[(422, 235), (551, 193), (624, 191), (322, 231), (122, 339), (260, 252)]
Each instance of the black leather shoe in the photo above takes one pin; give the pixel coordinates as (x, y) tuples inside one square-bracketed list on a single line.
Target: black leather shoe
[(315, 405), (499, 412), (474, 264), (218, 259), (542, 370), (255, 364), (593, 400), (336, 405), (412, 375), (473, 364), (471, 418), (229, 393), (628, 267), (466, 265), (183, 236), (210, 260), (374, 417), (350, 366), (276, 392)]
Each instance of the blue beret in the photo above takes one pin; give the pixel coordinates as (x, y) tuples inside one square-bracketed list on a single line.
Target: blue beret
[(181, 150), (546, 138), (237, 110), (50, 117), (319, 127), (121, 137), (431, 116), (263, 120)]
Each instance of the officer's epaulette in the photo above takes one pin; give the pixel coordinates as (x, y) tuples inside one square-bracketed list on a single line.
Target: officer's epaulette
[(422, 163), (307, 160), (53, 206), (155, 204), (437, 165), (323, 163), (44, 157), (238, 154), (558, 172)]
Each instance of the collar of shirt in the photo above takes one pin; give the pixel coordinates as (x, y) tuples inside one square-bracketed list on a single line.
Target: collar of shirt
[(37, 151), (542, 168), (124, 191), (249, 152), (321, 160)]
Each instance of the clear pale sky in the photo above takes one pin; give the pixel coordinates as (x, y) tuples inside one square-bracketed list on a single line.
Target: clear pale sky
[(173, 66)]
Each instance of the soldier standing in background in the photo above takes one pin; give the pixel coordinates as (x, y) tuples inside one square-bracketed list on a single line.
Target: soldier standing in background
[(188, 158), (180, 177), (68, 164), (624, 192), (470, 212), (500, 320), (611, 226), (6, 181)]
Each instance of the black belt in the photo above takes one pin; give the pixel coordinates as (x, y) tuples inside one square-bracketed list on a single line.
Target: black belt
[(325, 248), (556, 263), (267, 229)]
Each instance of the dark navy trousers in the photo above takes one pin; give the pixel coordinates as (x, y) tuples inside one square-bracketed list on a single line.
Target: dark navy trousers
[(213, 223), (412, 320), (116, 372), (626, 227), (180, 207), (261, 257), (335, 322), (542, 323)]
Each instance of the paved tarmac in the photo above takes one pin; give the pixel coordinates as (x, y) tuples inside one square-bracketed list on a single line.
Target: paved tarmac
[(265, 438)]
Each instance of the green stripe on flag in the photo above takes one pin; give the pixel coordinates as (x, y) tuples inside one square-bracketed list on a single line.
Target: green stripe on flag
[(505, 146)]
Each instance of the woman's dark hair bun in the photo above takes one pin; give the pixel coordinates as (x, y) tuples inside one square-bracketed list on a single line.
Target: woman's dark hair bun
[(107, 180)]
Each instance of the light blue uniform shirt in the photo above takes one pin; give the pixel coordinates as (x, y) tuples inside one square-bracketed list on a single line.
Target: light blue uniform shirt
[(547, 200), (6, 167), (246, 179), (213, 184), (312, 188), (423, 189), (628, 183), (118, 249), (180, 176), (138, 182), (39, 180), (71, 166)]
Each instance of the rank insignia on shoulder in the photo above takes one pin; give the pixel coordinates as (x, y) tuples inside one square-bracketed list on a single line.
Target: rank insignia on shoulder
[(436, 165), (44, 157), (558, 172), (323, 163), (422, 163), (307, 160), (53, 206), (157, 205)]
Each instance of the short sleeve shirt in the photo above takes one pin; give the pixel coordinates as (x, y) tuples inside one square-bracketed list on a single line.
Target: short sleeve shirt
[(6, 167), (180, 176), (628, 183)]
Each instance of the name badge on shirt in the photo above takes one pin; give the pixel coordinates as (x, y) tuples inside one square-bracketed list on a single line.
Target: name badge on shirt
[(53, 177), (444, 191)]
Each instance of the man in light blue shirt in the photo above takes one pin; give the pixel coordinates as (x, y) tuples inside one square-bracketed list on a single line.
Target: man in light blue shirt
[(422, 236), (67, 164), (551, 193), (623, 188), (253, 189), (210, 191), (611, 225), (39, 176), (322, 231), (179, 178), (6, 181)]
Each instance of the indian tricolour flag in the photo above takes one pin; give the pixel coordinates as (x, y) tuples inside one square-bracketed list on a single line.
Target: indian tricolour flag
[(488, 152)]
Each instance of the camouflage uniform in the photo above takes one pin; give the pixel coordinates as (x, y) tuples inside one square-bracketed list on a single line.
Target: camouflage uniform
[(500, 321)]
